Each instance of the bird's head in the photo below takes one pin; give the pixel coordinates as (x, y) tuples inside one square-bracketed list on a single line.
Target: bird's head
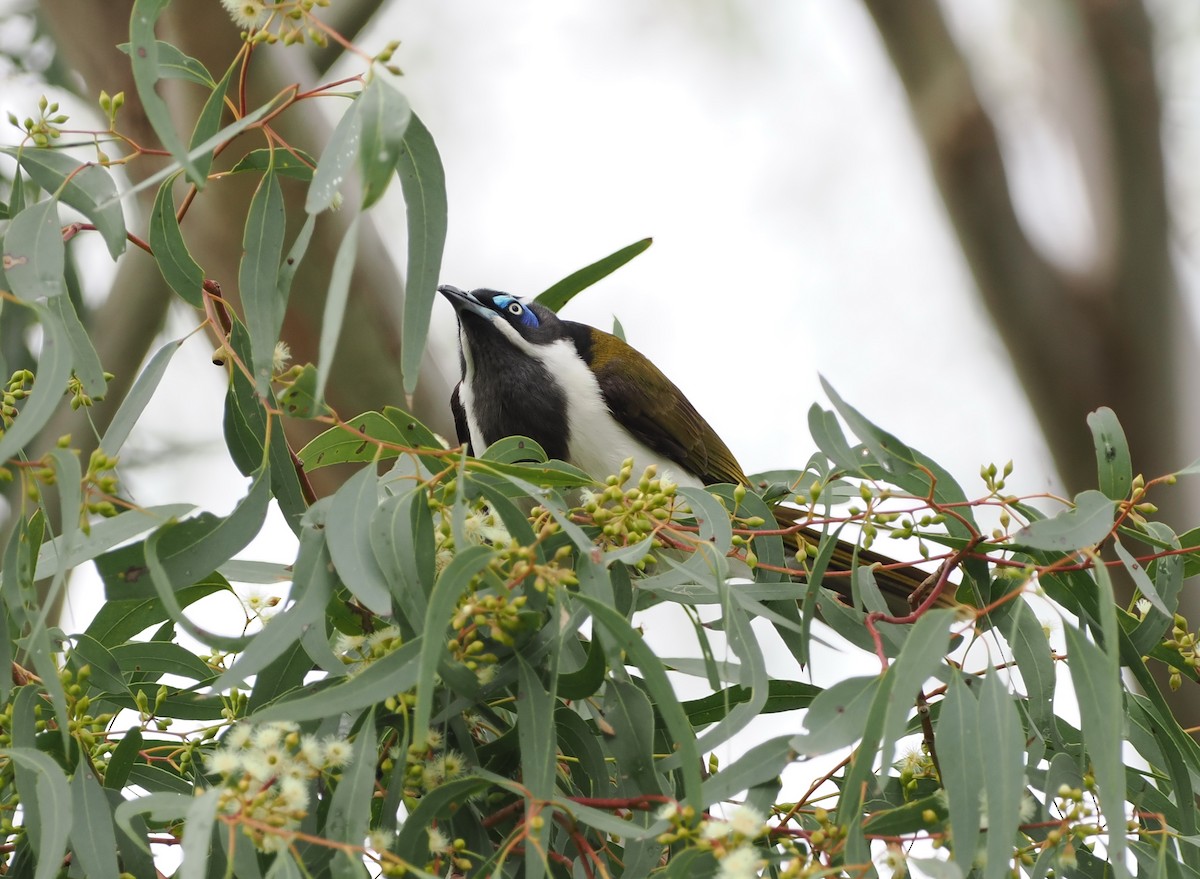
[(486, 315)]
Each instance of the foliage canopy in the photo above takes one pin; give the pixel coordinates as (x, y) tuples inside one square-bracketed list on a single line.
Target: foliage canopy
[(456, 679)]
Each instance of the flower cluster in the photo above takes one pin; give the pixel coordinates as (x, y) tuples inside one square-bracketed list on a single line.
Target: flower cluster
[(430, 765), (627, 515), (266, 770), (731, 840), (267, 21)]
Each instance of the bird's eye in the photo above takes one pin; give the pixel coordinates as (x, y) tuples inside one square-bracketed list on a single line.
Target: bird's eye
[(515, 308)]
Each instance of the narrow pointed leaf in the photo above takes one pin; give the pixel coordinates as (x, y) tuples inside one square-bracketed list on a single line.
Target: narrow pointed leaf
[(1003, 741), (350, 808), (143, 56), (424, 184), (337, 161), (54, 812), (335, 305), (93, 839), (394, 673), (85, 360), (199, 820), (559, 294), (348, 533), (385, 117), (209, 120), (138, 397), (957, 738), (450, 586), (53, 370), (174, 64), (179, 270), (258, 276), (1113, 464)]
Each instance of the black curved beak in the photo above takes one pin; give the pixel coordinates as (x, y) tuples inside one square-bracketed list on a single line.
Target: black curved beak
[(465, 302)]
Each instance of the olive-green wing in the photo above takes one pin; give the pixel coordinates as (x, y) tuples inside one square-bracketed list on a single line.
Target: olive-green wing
[(655, 411)]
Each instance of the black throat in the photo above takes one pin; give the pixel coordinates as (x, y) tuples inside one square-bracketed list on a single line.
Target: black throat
[(513, 394)]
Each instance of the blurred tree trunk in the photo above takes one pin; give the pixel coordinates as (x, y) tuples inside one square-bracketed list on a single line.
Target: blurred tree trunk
[(1114, 334)]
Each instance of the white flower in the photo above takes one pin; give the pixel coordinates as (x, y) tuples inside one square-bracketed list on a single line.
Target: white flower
[(310, 751), (438, 842), (267, 736), (1029, 808), (747, 821), (667, 812), (715, 829), (238, 737), (224, 762), (280, 357), (247, 14), (293, 794), (741, 863), (337, 752)]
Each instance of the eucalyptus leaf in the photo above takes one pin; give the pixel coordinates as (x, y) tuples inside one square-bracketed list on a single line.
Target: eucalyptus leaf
[(423, 182)]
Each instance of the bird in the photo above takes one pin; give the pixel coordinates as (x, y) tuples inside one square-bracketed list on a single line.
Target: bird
[(589, 398)]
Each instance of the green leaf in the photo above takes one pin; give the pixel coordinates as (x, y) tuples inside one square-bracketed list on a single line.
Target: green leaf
[(287, 163), (535, 709), (394, 673), (122, 758), (86, 187), (1002, 739), (957, 738), (337, 160), (630, 714), (1085, 524), (444, 801), (164, 807), (105, 670), (924, 647), (385, 117), (200, 819), (154, 659), (258, 276), (1031, 650), (53, 556), (837, 716), (424, 184), (347, 530), (1113, 463), (34, 254), (1098, 691), (174, 64), (136, 400), (559, 294), (335, 305), (86, 362), (886, 450), (196, 548), (93, 839), (53, 370), (450, 586), (181, 272), (625, 637), (831, 440), (760, 763), (53, 798), (1141, 579), (311, 591), (350, 808), (209, 120), (143, 56)]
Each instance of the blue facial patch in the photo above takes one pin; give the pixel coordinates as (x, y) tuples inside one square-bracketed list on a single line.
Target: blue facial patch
[(514, 307)]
